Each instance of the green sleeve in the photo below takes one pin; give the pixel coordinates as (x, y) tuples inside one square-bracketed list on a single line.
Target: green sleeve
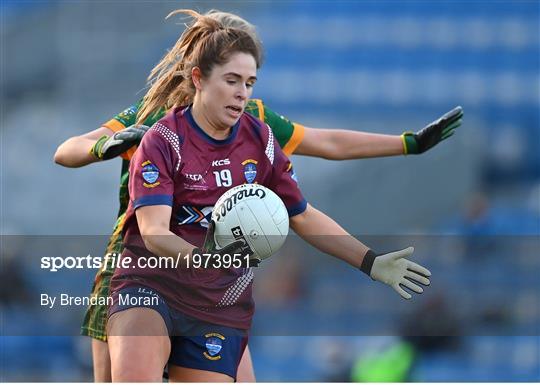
[(128, 117), (288, 134)]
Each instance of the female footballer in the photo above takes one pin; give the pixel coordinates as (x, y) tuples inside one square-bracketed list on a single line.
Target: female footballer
[(197, 321), (118, 136)]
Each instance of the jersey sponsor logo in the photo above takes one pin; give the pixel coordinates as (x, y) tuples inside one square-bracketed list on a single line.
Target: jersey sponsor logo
[(228, 204), (150, 174), (194, 182), (214, 344), (194, 177), (250, 170), (221, 162), (196, 187)]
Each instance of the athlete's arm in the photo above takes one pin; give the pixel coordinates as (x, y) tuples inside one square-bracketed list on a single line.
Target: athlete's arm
[(347, 144), (392, 269), (118, 136), (153, 224), (325, 234), (107, 146), (337, 144), (75, 152)]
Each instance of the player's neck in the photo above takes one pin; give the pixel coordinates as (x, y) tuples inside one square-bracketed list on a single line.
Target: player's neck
[(205, 123)]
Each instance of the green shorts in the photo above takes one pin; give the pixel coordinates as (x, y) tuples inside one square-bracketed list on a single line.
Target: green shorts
[(95, 319)]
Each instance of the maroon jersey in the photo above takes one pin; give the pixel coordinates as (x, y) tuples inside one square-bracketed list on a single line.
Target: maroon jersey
[(179, 165)]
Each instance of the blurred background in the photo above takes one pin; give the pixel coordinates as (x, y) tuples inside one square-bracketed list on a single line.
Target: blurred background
[(471, 206)]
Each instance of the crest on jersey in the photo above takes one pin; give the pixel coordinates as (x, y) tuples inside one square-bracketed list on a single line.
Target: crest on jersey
[(250, 170), (214, 344), (150, 174), (127, 116)]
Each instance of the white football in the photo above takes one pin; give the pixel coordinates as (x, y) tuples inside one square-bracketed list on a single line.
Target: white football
[(254, 213)]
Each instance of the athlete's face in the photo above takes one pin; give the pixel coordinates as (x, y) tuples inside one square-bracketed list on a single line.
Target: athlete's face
[(224, 94)]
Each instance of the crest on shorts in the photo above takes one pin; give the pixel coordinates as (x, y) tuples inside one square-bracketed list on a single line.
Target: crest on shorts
[(214, 343), (250, 170), (150, 174)]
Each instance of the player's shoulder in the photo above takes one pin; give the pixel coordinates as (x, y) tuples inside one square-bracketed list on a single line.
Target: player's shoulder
[(260, 133), (128, 116), (171, 121), (169, 128), (255, 125), (255, 107)]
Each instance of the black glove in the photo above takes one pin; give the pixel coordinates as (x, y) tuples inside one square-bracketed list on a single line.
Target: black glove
[(108, 147), (210, 250), (433, 133)]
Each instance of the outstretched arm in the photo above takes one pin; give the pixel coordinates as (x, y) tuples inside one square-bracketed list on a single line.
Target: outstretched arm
[(325, 234), (392, 269), (75, 151), (98, 145), (337, 144)]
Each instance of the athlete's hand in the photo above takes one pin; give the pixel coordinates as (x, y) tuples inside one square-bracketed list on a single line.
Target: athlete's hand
[(108, 147), (396, 271), (210, 249), (433, 133)]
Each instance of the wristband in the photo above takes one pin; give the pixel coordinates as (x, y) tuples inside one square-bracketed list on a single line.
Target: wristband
[(410, 146), (96, 148), (367, 263)]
